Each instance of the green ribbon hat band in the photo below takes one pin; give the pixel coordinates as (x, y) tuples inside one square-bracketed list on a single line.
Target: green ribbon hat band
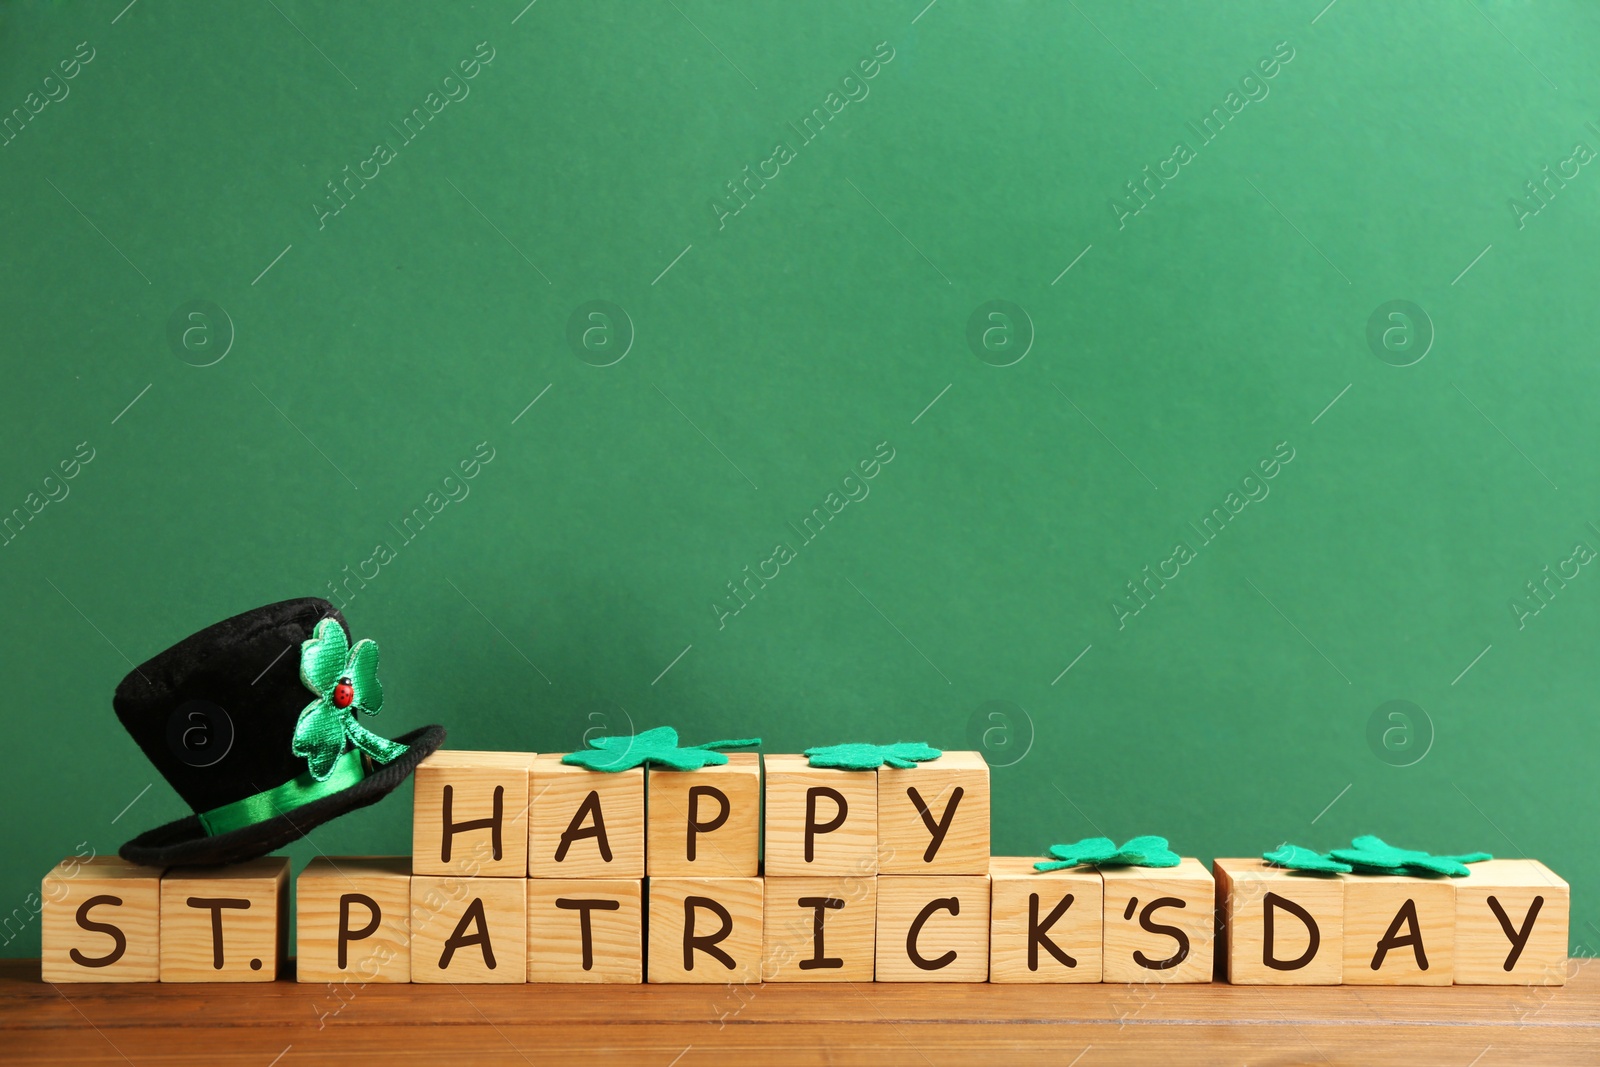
[(347, 771)]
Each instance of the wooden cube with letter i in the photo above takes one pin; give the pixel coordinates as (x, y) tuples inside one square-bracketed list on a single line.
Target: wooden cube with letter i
[(354, 919), (820, 929)]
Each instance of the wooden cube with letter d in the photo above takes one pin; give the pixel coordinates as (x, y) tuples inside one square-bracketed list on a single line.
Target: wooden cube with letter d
[(1278, 926)]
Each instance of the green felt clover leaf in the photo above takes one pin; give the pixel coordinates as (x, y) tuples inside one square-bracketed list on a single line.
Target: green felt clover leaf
[(345, 680), (1143, 851), (1371, 855), (1304, 859), (658, 748), (859, 757)]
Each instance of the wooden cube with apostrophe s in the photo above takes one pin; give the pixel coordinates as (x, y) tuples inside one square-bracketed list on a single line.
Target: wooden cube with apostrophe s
[(706, 823), (353, 919), (100, 921), (1160, 923), (586, 930), (933, 928), (1279, 926), (820, 820), (469, 930), (470, 814), (1044, 926), (934, 818), (1511, 924), (820, 929), (225, 924), (705, 930), (1399, 929), (585, 824)]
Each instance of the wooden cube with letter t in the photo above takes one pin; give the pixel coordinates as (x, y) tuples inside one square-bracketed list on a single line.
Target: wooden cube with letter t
[(100, 921), (706, 823), (934, 818), (225, 924), (933, 928), (472, 930), (1399, 929), (705, 930), (585, 930), (1279, 927), (354, 919), (585, 824), (820, 929), (470, 814), (1160, 923), (1044, 926), (1511, 924), (820, 820)]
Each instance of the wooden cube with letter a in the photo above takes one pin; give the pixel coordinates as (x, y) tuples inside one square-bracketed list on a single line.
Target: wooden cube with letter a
[(705, 930), (820, 929), (1399, 930), (100, 921), (1160, 923), (585, 824), (820, 820), (706, 823), (585, 930), (472, 930), (933, 928), (1044, 926), (225, 924), (354, 919), (1278, 926), (1511, 924), (934, 818), (470, 814)]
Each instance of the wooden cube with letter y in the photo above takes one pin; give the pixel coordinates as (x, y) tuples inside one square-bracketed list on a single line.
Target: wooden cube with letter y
[(933, 928), (1511, 924), (1279, 926), (584, 823), (225, 924), (1044, 926), (354, 919), (820, 820), (1160, 923), (1399, 929), (934, 818), (100, 921), (585, 930), (705, 930), (470, 814), (706, 823), (469, 930)]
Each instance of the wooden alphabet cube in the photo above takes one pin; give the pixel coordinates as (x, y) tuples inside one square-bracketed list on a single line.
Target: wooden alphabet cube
[(1511, 924), (933, 928), (586, 930), (469, 930), (820, 820), (1160, 923), (1399, 930), (1278, 926), (705, 930), (470, 814), (1044, 926), (820, 929), (100, 921), (354, 920), (706, 823), (934, 818), (225, 924), (585, 824)]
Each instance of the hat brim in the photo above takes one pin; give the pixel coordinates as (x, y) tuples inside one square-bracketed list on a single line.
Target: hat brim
[(184, 843)]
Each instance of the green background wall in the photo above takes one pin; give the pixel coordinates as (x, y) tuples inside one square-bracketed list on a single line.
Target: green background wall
[(774, 349)]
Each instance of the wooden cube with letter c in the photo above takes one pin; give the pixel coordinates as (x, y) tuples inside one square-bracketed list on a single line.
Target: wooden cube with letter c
[(1160, 923), (585, 930), (1278, 926), (1511, 924), (934, 818), (820, 929), (1399, 929), (706, 823), (100, 921), (1044, 926), (353, 919), (469, 930), (933, 928), (820, 820), (585, 824), (705, 930), (225, 924), (470, 814)]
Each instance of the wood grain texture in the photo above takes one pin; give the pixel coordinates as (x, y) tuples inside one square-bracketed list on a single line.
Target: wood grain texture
[(1399, 908), (849, 926), (736, 935), (933, 928), (371, 897), (604, 813), (110, 891), (1160, 923), (1483, 949), (247, 903), (904, 838), (850, 849), (733, 849), (474, 778), (485, 918), (858, 1024), (615, 921), (1246, 889), (1076, 931)]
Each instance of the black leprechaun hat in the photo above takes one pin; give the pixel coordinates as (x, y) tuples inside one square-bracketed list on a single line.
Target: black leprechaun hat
[(255, 722)]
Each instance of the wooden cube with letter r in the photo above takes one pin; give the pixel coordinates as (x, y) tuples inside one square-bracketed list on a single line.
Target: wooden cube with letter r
[(1044, 926), (934, 818), (100, 921), (225, 924), (470, 814), (1279, 926), (354, 919), (705, 930), (1160, 923), (706, 823), (585, 930), (585, 824), (820, 820), (933, 928), (1399, 929), (1511, 924), (469, 930)]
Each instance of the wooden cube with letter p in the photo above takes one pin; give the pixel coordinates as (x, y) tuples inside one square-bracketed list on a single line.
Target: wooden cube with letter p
[(705, 930), (354, 919), (585, 824), (1278, 926), (469, 930), (1511, 924), (706, 823), (1044, 926), (585, 930), (820, 820), (470, 814), (1399, 929), (225, 924), (934, 818), (820, 929), (1160, 923), (933, 928), (100, 921)]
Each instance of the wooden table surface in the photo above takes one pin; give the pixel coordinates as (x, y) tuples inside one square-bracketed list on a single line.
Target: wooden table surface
[(285, 1024)]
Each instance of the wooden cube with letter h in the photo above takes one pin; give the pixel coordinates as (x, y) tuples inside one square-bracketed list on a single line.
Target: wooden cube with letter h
[(1044, 926), (706, 823), (585, 930), (706, 930), (1399, 929), (470, 814), (585, 824), (1160, 923), (469, 930), (1511, 924), (1279, 926), (820, 820), (933, 928), (100, 921), (820, 929), (225, 924), (934, 818), (354, 919)]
